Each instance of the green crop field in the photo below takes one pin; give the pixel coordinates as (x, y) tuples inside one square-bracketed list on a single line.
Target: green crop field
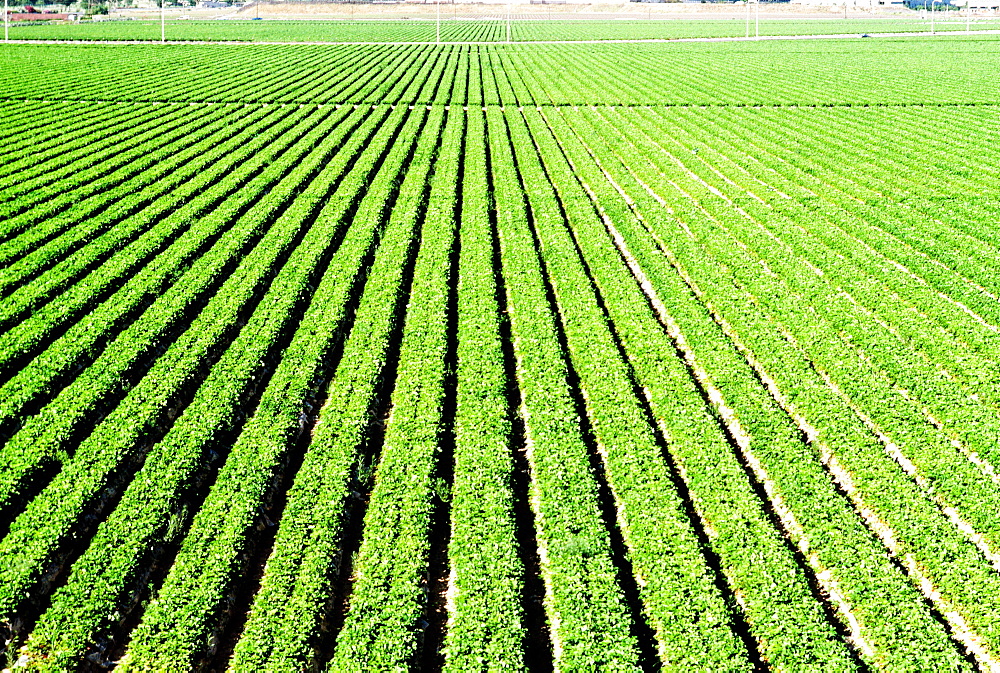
[(500, 357), (477, 29)]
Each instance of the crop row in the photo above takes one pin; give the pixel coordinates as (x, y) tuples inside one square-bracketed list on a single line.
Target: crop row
[(588, 618), (390, 587), (454, 28), (61, 338), (916, 364), (723, 74), (121, 440), (46, 194), (306, 76), (87, 233), (211, 556), (113, 330), (485, 614), (916, 370), (706, 219), (129, 537), (288, 613), (406, 386), (712, 474), (457, 25)]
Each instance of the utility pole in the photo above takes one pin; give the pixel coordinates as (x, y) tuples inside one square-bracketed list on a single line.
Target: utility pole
[(934, 2), (163, 21), (756, 18), (508, 21), (748, 18), (437, 3), (6, 22)]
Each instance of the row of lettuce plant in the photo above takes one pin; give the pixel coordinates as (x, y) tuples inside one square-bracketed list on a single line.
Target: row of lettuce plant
[(877, 364), (154, 506), (49, 430), (191, 603), (389, 589), (100, 124), (55, 346), (693, 626), (485, 626), (896, 510), (161, 125), (846, 555), (764, 574), (900, 506), (23, 115), (90, 476), (296, 587), (588, 619), (35, 219), (56, 265)]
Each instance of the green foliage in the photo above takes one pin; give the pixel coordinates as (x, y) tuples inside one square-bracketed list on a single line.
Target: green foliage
[(690, 361)]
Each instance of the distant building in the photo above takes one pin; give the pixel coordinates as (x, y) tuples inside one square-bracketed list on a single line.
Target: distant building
[(852, 4), (39, 16)]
